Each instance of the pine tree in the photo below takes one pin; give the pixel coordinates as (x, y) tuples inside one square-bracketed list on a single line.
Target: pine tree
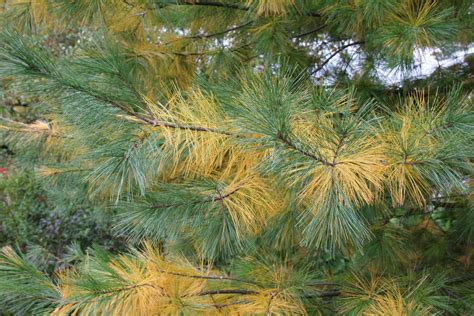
[(251, 175)]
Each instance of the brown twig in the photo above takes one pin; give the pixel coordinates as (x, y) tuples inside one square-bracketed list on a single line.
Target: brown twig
[(289, 144), (340, 49), (203, 36), (319, 28)]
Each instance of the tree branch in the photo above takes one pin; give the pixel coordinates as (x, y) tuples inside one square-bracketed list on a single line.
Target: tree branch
[(338, 148), (202, 36), (211, 277), (141, 118), (340, 49), (289, 144), (127, 288), (328, 294), (228, 291), (462, 279), (145, 120), (319, 28), (219, 4), (220, 197), (211, 52)]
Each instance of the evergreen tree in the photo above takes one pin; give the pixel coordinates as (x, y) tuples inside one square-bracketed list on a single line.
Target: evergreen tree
[(249, 172)]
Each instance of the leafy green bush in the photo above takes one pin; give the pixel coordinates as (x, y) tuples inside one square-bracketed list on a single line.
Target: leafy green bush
[(32, 217)]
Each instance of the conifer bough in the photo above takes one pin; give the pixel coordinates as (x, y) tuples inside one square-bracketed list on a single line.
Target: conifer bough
[(243, 184)]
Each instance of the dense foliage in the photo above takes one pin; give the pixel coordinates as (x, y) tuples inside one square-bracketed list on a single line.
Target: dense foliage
[(247, 171)]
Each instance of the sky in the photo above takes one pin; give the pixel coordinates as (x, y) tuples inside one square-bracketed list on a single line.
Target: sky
[(426, 61)]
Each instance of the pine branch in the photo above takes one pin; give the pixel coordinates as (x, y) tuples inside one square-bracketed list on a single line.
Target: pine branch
[(319, 28), (44, 71), (340, 49), (60, 80), (141, 118), (131, 5), (206, 3), (218, 198), (462, 279), (462, 195), (224, 31), (272, 296), (220, 306), (127, 288), (410, 163), (29, 129), (293, 146), (212, 277), (204, 36), (187, 127), (211, 52), (228, 291), (225, 5), (221, 196), (329, 294), (440, 128), (216, 4), (338, 148)]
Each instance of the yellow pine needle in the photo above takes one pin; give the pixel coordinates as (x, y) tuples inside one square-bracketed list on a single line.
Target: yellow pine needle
[(49, 132), (250, 201), (271, 7), (151, 286), (415, 15), (37, 126), (37, 9), (45, 171), (378, 296), (404, 182), (407, 147), (364, 288), (123, 18), (353, 165), (268, 302), (393, 303), (168, 62), (203, 152)]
